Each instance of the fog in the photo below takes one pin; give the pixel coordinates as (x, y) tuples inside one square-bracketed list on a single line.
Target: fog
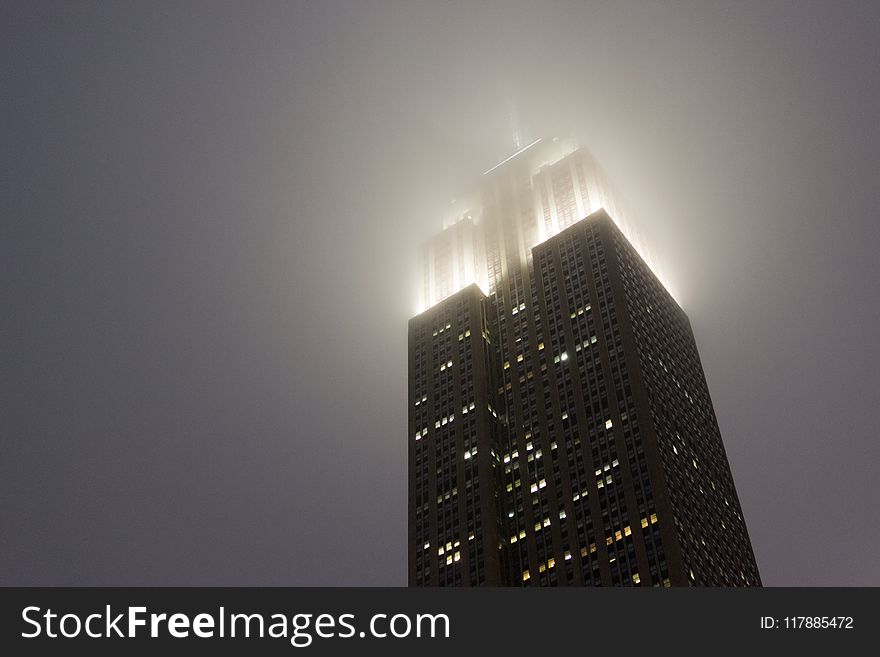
[(210, 218)]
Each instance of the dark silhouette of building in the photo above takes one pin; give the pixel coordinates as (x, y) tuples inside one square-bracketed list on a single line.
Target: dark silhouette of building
[(561, 429)]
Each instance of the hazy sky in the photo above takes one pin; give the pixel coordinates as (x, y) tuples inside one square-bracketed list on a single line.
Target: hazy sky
[(210, 213)]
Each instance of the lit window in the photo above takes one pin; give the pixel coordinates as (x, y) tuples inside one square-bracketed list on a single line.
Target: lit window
[(608, 424)]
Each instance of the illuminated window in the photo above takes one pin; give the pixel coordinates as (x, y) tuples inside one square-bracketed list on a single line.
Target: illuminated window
[(608, 424)]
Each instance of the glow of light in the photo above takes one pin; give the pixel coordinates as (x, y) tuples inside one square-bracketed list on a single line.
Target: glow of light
[(595, 197), (505, 161)]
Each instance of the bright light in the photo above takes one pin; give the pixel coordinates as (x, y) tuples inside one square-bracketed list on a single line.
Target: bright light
[(458, 256)]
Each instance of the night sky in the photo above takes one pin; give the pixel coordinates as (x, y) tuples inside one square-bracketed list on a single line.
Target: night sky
[(210, 217)]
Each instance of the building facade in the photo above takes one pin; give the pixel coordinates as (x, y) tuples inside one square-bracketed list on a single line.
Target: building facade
[(561, 430)]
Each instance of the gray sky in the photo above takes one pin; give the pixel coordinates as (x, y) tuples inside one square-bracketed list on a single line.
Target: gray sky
[(210, 213)]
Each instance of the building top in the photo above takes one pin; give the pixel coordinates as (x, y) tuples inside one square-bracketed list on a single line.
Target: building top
[(531, 195)]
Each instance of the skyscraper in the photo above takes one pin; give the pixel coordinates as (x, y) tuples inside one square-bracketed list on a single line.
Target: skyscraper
[(560, 426)]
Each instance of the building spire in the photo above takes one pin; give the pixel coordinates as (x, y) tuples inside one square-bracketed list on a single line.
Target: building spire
[(515, 131)]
